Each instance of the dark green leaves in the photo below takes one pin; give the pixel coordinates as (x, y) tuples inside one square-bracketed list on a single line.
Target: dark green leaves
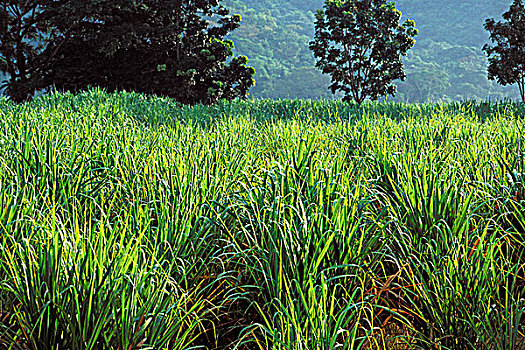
[(121, 45), (507, 56), (21, 27), (185, 38), (360, 44)]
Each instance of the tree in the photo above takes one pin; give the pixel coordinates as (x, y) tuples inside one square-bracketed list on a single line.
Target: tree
[(507, 56), (21, 28), (26, 30), (173, 48), (360, 44)]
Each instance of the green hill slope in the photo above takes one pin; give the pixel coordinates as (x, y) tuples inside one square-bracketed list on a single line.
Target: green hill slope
[(446, 63)]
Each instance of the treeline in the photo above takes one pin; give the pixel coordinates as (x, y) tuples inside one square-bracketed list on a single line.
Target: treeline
[(446, 63), (146, 46)]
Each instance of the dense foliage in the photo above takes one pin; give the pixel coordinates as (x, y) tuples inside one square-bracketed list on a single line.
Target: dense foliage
[(169, 48), (446, 63), (507, 55), (21, 25), (360, 44), (130, 222)]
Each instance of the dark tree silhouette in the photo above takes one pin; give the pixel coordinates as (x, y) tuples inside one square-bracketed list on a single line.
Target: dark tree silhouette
[(21, 27), (174, 48), (507, 55)]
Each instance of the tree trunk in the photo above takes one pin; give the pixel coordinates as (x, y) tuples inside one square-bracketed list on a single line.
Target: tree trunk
[(521, 85)]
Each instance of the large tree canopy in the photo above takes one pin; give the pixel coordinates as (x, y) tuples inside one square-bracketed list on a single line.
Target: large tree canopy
[(360, 43), (507, 55), (174, 48)]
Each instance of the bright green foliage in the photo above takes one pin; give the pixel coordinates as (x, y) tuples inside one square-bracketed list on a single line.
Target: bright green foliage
[(360, 44), (507, 56), (131, 222)]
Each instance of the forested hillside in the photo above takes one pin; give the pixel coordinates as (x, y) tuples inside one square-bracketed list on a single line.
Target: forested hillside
[(446, 63)]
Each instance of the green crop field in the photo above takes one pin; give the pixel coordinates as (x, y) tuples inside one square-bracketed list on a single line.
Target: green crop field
[(130, 222)]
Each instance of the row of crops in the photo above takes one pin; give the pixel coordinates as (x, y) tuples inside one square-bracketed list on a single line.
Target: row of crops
[(129, 222)]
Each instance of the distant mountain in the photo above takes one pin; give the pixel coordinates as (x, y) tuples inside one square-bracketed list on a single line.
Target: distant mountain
[(446, 63)]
